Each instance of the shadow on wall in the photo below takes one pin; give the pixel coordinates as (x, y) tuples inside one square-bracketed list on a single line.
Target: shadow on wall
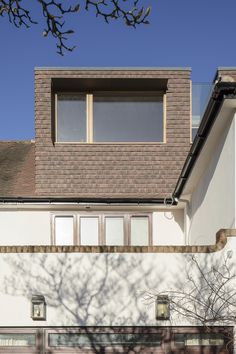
[(205, 293), (92, 289), (106, 289), (102, 290)]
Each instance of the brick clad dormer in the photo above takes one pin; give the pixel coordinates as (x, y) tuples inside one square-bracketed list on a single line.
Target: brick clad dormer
[(111, 170)]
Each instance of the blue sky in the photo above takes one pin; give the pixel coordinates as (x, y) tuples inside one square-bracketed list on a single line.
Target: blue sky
[(193, 33)]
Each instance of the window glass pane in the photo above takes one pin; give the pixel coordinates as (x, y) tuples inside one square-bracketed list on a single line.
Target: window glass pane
[(127, 118), (139, 231), (103, 339), (89, 231), (114, 231), (179, 340), (204, 339), (17, 340), (64, 230), (71, 118), (212, 339)]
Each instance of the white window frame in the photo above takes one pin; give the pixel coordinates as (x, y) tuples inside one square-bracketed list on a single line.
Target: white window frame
[(53, 226)]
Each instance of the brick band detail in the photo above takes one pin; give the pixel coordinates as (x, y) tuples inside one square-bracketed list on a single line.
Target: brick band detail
[(221, 241)]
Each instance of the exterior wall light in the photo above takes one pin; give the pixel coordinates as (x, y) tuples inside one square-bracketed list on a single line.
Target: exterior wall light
[(38, 308), (162, 307)]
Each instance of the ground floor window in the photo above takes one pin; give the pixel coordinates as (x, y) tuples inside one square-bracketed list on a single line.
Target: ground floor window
[(20, 340), (161, 340), (17, 340), (199, 339), (87, 340)]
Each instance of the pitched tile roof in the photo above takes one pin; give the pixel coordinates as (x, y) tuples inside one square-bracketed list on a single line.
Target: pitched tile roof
[(17, 169)]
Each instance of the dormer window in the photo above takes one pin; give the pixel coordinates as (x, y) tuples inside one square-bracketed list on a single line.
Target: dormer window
[(107, 117), (71, 118)]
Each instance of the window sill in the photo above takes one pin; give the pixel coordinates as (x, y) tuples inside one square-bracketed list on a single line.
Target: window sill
[(109, 143)]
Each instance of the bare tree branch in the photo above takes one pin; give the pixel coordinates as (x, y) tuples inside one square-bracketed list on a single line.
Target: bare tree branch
[(114, 9), (206, 296), (54, 12)]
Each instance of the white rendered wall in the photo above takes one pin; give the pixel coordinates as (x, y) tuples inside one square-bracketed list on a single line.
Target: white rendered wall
[(94, 289), (168, 227), (24, 227), (212, 205)]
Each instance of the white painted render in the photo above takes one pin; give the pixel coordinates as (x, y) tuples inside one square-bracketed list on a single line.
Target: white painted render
[(168, 227), (24, 227), (33, 227), (212, 197), (94, 289)]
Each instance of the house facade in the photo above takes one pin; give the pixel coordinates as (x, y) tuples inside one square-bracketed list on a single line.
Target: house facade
[(107, 204)]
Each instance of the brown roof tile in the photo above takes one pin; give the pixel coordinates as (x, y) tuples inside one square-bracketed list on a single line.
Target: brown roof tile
[(17, 169)]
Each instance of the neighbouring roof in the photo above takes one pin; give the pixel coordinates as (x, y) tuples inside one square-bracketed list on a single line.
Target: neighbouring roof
[(17, 169)]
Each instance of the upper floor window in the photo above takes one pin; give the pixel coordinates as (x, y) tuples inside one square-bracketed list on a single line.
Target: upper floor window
[(71, 118), (102, 229), (109, 117)]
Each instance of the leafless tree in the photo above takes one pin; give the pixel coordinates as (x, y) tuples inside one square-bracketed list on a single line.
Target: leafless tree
[(206, 296), (132, 12)]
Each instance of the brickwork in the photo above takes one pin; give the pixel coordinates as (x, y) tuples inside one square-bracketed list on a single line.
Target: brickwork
[(112, 170), (226, 75)]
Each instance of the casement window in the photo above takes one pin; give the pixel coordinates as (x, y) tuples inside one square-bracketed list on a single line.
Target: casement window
[(101, 339), (102, 229), (64, 227), (104, 340), (17, 339), (106, 117), (199, 339)]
